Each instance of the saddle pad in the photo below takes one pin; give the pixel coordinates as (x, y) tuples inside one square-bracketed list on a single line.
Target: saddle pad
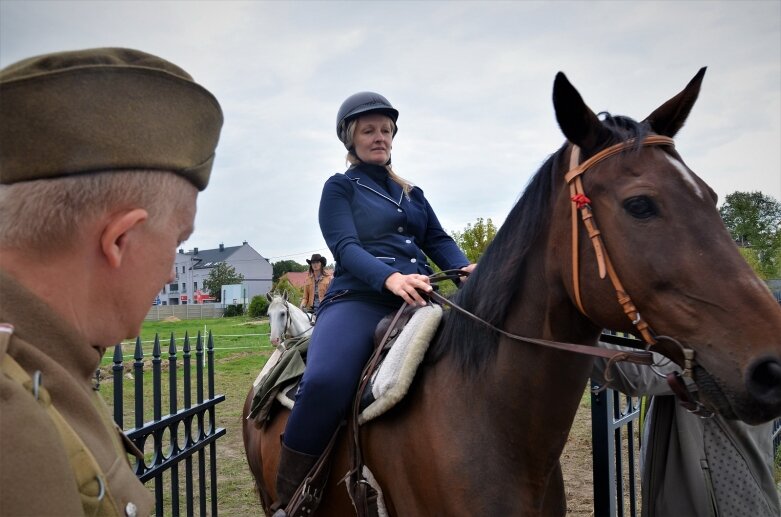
[(287, 394), (394, 376)]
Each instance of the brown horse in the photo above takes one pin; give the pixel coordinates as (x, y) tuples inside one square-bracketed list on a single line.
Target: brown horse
[(484, 424)]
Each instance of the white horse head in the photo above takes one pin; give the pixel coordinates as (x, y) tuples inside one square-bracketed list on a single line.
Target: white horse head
[(286, 320)]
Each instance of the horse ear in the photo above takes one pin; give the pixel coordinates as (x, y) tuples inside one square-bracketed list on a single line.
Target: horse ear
[(578, 123), (284, 295), (268, 296), (668, 118)]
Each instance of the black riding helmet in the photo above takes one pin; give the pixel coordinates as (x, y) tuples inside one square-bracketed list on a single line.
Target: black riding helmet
[(361, 103)]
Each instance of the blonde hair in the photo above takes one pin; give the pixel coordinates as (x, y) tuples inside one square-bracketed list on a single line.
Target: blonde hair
[(42, 215), (353, 159)]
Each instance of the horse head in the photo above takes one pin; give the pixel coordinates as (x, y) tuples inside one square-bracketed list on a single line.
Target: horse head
[(658, 228), (278, 317), (285, 319)]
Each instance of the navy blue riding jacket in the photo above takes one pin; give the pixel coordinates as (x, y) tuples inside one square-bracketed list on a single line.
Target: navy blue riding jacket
[(374, 230)]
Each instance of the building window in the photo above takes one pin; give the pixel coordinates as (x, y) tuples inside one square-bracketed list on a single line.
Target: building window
[(173, 288), (195, 286), (184, 287), (182, 269)]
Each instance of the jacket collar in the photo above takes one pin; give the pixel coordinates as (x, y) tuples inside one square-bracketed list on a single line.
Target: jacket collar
[(363, 179)]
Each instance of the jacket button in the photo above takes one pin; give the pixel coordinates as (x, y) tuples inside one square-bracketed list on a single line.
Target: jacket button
[(400, 229), (408, 241), (413, 260), (131, 510), (399, 210)]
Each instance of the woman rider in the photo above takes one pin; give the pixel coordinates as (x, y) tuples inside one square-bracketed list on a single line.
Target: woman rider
[(380, 229), (317, 283)]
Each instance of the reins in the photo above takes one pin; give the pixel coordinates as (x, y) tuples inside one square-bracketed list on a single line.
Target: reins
[(639, 357)]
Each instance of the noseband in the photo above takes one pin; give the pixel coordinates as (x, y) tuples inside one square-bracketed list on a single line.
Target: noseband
[(580, 202)]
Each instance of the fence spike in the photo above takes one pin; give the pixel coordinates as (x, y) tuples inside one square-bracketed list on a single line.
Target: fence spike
[(139, 353), (172, 346)]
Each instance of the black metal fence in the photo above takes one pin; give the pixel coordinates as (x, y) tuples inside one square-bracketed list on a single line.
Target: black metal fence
[(614, 422), (182, 435)]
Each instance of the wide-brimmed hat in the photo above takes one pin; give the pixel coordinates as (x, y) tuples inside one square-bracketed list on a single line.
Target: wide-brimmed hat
[(316, 257)]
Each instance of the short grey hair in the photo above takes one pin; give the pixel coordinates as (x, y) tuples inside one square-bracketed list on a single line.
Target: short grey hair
[(42, 215)]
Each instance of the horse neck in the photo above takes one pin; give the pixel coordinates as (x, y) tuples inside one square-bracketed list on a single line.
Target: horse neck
[(527, 380), (299, 323)]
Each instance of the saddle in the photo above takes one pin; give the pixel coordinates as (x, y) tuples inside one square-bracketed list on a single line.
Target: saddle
[(402, 353)]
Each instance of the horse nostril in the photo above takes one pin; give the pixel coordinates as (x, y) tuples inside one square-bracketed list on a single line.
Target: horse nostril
[(764, 381)]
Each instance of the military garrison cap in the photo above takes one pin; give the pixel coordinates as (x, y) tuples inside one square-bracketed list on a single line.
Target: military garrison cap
[(104, 109)]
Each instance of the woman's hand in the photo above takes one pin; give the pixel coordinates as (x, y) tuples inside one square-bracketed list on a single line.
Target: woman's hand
[(468, 269), (406, 287)]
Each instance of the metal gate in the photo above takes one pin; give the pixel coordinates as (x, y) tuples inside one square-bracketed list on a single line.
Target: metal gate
[(182, 437)]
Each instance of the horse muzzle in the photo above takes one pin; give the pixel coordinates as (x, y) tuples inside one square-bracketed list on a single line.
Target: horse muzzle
[(763, 383), (759, 402)]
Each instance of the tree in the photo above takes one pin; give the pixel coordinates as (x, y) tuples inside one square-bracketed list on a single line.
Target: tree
[(294, 294), (754, 221), (220, 275), (285, 266), (475, 239)]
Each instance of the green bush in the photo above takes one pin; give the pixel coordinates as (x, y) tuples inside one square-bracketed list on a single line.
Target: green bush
[(234, 310), (258, 306)]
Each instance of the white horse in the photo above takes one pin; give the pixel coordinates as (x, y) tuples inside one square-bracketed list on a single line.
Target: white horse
[(286, 320)]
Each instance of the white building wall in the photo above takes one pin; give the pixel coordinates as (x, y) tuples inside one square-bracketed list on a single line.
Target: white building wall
[(257, 272)]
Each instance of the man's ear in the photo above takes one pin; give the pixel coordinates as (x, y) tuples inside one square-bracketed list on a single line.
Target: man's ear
[(114, 238)]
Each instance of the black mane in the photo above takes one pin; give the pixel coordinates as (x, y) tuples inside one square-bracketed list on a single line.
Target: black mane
[(490, 290)]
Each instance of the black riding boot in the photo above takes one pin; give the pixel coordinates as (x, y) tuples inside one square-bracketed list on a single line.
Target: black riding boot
[(293, 468)]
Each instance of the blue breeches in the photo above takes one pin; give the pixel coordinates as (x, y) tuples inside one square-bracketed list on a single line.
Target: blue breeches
[(341, 344)]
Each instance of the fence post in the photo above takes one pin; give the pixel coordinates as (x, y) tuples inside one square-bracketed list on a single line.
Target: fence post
[(188, 423), (199, 360), (172, 410), (212, 426), (117, 370), (603, 452), (157, 410)]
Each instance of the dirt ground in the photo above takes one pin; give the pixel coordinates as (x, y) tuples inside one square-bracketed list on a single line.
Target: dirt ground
[(576, 466)]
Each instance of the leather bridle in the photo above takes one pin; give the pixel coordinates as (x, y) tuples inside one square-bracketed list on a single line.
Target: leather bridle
[(581, 202)]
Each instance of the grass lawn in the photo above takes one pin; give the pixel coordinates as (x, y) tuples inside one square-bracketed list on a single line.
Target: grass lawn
[(239, 354)]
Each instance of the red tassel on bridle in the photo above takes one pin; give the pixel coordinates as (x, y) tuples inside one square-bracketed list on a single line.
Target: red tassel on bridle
[(581, 200)]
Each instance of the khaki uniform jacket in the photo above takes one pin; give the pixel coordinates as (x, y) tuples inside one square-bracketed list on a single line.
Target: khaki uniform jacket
[(692, 466), (36, 478), (309, 289)]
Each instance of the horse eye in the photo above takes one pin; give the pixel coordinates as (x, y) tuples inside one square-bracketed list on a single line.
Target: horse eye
[(640, 207)]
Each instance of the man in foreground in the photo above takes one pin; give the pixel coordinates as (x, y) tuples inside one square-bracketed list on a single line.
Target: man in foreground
[(102, 155)]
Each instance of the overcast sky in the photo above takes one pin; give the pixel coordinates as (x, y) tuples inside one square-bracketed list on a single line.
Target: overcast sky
[(472, 82)]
